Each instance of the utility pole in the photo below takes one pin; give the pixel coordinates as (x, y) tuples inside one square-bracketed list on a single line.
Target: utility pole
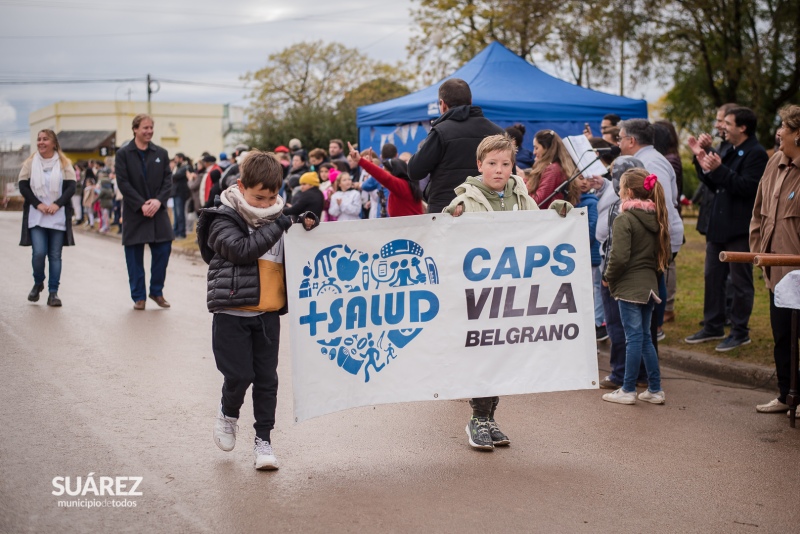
[(622, 66), (150, 91)]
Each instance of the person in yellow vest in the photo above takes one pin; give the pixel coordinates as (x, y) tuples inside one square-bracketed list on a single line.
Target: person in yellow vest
[(241, 239)]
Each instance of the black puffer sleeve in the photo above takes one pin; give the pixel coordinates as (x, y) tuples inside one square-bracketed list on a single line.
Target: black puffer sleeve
[(227, 238)]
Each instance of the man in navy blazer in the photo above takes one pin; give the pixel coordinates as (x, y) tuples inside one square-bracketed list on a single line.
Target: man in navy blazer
[(733, 178), (145, 180)]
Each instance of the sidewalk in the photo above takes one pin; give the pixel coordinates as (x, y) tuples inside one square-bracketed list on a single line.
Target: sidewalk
[(713, 367)]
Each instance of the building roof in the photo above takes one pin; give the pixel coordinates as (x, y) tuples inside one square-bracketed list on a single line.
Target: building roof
[(85, 140)]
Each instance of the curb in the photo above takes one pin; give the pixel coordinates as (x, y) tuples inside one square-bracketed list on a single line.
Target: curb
[(195, 254), (749, 374), (714, 367)]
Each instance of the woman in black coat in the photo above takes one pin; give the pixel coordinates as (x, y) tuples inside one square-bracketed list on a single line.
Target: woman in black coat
[(47, 183)]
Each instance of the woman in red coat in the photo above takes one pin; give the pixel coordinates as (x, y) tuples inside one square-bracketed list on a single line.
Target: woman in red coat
[(405, 197), (552, 167)]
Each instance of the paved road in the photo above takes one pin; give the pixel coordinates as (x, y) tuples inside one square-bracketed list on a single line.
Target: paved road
[(95, 387)]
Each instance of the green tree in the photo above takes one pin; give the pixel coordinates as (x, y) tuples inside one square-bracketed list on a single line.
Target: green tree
[(583, 39), (311, 91), (580, 43), (743, 51), (450, 32)]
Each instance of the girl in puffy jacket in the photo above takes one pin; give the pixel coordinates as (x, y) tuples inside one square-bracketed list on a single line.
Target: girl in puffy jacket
[(346, 201), (640, 250)]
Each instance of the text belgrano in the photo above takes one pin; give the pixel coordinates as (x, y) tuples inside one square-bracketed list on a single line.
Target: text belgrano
[(111, 486)]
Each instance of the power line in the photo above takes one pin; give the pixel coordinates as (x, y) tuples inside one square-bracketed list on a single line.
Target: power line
[(206, 84), (51, 82), (122, 80)]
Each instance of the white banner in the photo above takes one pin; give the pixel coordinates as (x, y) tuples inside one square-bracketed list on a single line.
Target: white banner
[(436, 307)]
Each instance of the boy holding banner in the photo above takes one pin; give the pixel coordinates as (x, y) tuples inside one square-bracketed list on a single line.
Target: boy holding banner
[(495, 190), (241, 239)]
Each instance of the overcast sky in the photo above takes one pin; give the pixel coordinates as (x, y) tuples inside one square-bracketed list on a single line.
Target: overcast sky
[(188, 40), (191, 40)]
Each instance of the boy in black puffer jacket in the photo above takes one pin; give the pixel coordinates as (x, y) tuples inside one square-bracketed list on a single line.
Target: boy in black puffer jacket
[(241, 239)]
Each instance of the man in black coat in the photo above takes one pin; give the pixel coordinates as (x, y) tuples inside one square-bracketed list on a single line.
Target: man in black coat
[(733, 178), (448, 153), (180, 194), (145, 180), (701, 146)]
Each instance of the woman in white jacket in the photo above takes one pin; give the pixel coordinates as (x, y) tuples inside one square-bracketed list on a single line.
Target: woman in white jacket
[(346, 202)]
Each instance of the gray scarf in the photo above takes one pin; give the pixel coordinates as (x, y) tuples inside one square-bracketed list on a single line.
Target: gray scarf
[(255, 217)]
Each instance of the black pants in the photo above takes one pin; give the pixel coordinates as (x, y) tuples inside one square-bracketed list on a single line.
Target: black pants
[(781, 321), (246, 352), (484, 406), (716, 273)]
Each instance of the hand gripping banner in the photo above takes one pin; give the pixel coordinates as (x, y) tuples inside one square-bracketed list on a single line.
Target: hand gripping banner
[(434, 307)]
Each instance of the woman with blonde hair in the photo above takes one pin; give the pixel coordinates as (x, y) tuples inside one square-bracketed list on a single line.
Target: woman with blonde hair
[(47, 183), (775, 229), (552, 167)]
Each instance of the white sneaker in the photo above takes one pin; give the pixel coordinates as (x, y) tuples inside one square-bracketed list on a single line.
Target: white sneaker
[(773, 406), (620, 397), (264, 456), (225, 431), (654, 398)]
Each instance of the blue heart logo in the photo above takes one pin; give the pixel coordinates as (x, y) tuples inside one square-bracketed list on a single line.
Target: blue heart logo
[(340, 269)]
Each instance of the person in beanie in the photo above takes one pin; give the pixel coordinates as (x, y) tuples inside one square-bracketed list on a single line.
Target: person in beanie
[(496, 189), (310, 198), (241, 240)]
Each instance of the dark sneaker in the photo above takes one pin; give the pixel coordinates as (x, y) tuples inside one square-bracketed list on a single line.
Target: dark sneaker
[(498, 438), (161, 301), (478, 433), (703, 336), (601, 332), (607, 383), (731, 343), (33, 296)]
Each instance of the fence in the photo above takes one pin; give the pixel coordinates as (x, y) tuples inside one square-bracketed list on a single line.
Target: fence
[(9, 177), (8, 186)]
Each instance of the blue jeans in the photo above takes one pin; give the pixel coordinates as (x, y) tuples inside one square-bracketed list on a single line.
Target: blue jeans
[(134, 257), (179, 217), (47, 243), (639, 345), (597, 283), (616, 335)]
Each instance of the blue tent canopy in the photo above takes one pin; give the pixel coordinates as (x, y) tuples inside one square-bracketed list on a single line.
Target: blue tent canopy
[(509, 90)]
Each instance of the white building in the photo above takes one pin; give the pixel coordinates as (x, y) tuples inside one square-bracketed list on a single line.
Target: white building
[(97, 127)]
